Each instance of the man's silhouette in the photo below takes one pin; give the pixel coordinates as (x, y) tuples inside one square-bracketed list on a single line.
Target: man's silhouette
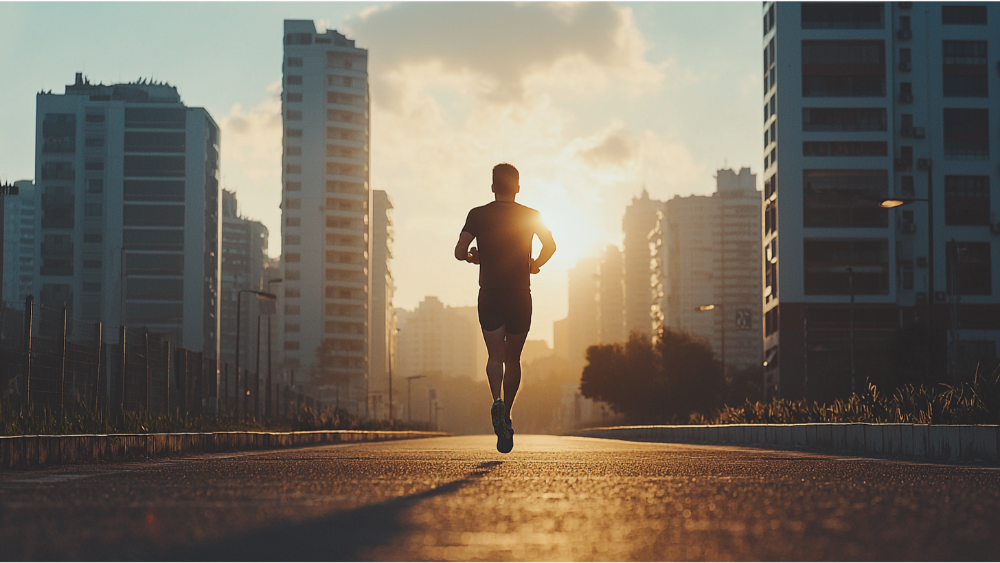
[(504, 231)]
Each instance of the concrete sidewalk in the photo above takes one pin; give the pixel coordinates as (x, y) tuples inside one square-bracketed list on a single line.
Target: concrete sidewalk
[(923, 441), (21, 452)]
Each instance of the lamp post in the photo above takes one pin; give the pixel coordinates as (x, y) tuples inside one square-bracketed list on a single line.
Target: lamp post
[(409, 412), (712, 307), (267, 392), (392, 417), (928, 165), (239, 311), (854, 372)]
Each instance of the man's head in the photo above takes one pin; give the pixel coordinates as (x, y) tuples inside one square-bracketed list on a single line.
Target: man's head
[(505, 180)]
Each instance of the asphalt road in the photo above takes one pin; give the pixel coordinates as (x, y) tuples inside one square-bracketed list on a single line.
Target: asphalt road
[(456, 498)]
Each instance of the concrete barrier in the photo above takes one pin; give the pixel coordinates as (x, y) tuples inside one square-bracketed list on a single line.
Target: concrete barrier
[(22, 452), (922, 441)]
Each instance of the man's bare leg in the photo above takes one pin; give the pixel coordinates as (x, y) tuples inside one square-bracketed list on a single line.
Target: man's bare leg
[(513, 345), (494, 365)]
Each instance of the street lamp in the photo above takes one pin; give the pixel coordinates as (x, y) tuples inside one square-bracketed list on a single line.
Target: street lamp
[(926, 164), (712, 307), (392, 418), (239, 310), (267, 392), (409, 412)]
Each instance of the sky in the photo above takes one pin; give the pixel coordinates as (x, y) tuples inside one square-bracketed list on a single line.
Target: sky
[(592, 102)]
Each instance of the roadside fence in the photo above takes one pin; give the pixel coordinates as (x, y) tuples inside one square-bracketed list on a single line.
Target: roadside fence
[(52, 363)]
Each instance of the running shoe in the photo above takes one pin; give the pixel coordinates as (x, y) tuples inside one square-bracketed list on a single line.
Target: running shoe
[(505, 445), (496, 413)]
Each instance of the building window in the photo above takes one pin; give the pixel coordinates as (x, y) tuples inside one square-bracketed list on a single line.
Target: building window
[(153, 215), (294, 96), (58, 170), (292, 310), (966, 134), (293, 257), (292, 327), (94, 142), (294, 115), (844, 198), (293, 239), (293, 292), (843, 68), (294, 79), (154, 166), (293, 132), (843, 15), (155, 118), (93, 164), (964, 70), (345, 99), (969, 266), (93, 209), (963, 15), (294, 61), (293, 186), (141, 264), (967, 200), (844, 119), (158, 141), (293, 221), (826, 263), (154, 190), (906, 92), (59, 133), (94, 117), (153, 239), (291, 344), (292, 275), (293, 168), (155, 289), (58, 208), (293, 150), (845, 148)]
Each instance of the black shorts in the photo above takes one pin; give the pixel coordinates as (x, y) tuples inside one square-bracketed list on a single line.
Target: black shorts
[(508, 308)]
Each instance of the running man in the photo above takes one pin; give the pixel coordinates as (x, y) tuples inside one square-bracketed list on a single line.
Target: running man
[(504, 232)]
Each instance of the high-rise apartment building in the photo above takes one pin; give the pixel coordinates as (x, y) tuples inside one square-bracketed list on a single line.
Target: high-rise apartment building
[(18, 225), (612, 298), (382, 348), (128, 210), (244, 254), (876, 101), (638, 223), (707, 262), (326, 243), (583, 311), (437, 340)]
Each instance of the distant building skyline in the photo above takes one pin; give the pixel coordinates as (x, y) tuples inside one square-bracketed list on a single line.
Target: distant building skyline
[(129, 210), (708, 255), (19, 241), (326, 226), (244, 256)]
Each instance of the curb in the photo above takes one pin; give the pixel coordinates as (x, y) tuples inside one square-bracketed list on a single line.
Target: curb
[(22, 452), (924, 441)]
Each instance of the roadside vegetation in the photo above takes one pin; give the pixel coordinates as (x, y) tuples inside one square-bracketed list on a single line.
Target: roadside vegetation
[(677, 380), (81, 421)]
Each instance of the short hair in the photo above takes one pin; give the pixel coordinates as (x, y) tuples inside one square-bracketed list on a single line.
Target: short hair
[(505, 178)]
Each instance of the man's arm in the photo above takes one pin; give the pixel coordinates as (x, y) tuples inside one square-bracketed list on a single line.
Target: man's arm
[(548, 249), (462, 249)]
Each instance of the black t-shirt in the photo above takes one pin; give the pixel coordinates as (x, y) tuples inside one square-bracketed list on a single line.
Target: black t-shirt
[(503, 231)]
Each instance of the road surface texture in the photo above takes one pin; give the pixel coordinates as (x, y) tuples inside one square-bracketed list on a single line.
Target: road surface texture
[(456, 498)]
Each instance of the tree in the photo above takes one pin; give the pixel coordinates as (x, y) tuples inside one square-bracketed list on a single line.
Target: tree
[(651, 383)]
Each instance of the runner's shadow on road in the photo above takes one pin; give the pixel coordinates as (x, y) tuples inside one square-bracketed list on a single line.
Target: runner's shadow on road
[(343, 536)]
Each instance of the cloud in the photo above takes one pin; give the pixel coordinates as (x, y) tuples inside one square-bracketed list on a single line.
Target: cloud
[(251, 160), (499, 46), (615, 149)]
